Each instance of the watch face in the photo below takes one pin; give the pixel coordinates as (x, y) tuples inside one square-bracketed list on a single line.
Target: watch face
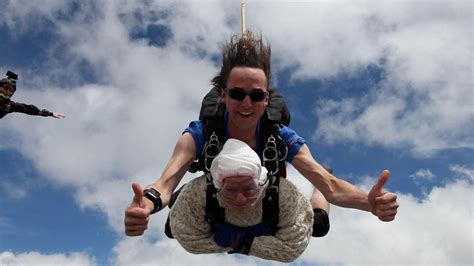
[(150, 194), (154, 196)]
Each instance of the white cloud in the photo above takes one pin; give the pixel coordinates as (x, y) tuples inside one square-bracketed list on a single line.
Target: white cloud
[(463, 171), (423, 174), (34, 258), (168, 252), (123, 129), (418, 236), (111, 131), (425, 100), (19, 15)]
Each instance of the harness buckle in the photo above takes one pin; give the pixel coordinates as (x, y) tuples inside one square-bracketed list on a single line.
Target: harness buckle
[(272, 185), (270, 156), (211, 150)]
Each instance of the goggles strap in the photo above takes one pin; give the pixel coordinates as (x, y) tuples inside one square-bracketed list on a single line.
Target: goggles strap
[(4, 96)]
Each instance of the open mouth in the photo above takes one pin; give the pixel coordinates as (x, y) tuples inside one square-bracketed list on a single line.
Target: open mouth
[(246, 113)]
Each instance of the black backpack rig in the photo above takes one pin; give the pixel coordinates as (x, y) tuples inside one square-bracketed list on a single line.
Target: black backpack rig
[(272, 157), (274, 152)]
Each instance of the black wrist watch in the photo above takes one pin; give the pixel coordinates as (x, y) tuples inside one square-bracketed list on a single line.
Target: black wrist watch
[(153, 195)]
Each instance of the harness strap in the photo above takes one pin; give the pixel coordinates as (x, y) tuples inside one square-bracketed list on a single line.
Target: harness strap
[(214, 137), (277, 110), (214, 212), (270, 204), (271, 207), (274, 148)]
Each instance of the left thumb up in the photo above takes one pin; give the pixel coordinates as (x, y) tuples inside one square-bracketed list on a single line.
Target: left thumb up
[(377, 190), (383, 178)]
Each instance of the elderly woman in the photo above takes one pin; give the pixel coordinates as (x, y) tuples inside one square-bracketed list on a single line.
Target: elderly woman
[(241, 188)]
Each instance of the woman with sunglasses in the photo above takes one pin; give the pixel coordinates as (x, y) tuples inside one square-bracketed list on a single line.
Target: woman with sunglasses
[(244, 81), (241, 184), (7, 89)]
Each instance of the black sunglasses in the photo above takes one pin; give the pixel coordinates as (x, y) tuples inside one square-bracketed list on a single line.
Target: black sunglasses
[(239, 94)]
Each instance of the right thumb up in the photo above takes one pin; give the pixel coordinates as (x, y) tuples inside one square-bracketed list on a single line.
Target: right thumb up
[(136, 215), (138, 198)]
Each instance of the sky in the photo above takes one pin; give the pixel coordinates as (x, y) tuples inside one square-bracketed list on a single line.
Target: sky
[(371, 85)]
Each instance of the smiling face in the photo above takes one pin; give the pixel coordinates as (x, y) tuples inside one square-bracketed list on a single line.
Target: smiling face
[(245, 114), (239, 192)]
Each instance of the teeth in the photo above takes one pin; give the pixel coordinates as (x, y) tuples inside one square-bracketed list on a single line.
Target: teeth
[(245, 113)]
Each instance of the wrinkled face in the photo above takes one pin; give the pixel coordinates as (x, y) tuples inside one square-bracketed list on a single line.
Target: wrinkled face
[(239, 192), (244, 114)]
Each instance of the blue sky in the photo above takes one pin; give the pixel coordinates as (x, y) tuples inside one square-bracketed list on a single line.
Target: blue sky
[(371, 85)]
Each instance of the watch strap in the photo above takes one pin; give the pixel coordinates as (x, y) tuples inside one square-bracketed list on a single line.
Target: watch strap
[(154, 196)]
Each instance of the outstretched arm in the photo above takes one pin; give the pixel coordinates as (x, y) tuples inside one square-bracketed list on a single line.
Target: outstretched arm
[(179, 163), (339, 192), (183, 155), (31, 109)]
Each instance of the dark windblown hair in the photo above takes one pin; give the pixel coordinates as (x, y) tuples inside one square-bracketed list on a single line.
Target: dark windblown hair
[(247, 51)]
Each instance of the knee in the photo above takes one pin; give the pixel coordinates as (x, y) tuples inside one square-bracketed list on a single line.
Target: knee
[(321, 223)]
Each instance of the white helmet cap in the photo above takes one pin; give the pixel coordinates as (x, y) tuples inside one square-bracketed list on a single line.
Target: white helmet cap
[(237, 159)]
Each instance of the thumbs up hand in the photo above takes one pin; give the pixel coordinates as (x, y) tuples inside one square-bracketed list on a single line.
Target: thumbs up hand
[(383, 204), (138, 197), (137, 214)]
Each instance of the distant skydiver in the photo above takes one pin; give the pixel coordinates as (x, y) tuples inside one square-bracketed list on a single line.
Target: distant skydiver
[(7, 89)]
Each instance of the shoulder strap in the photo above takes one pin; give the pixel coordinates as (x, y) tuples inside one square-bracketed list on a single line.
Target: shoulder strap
[(212, 114), (274, 150), (214, 212), (277, 110), (214, 140), (210, 105)]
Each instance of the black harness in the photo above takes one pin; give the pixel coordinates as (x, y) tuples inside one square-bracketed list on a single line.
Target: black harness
[(270, 204), (274, 150), (216, 214), (273, 156)]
